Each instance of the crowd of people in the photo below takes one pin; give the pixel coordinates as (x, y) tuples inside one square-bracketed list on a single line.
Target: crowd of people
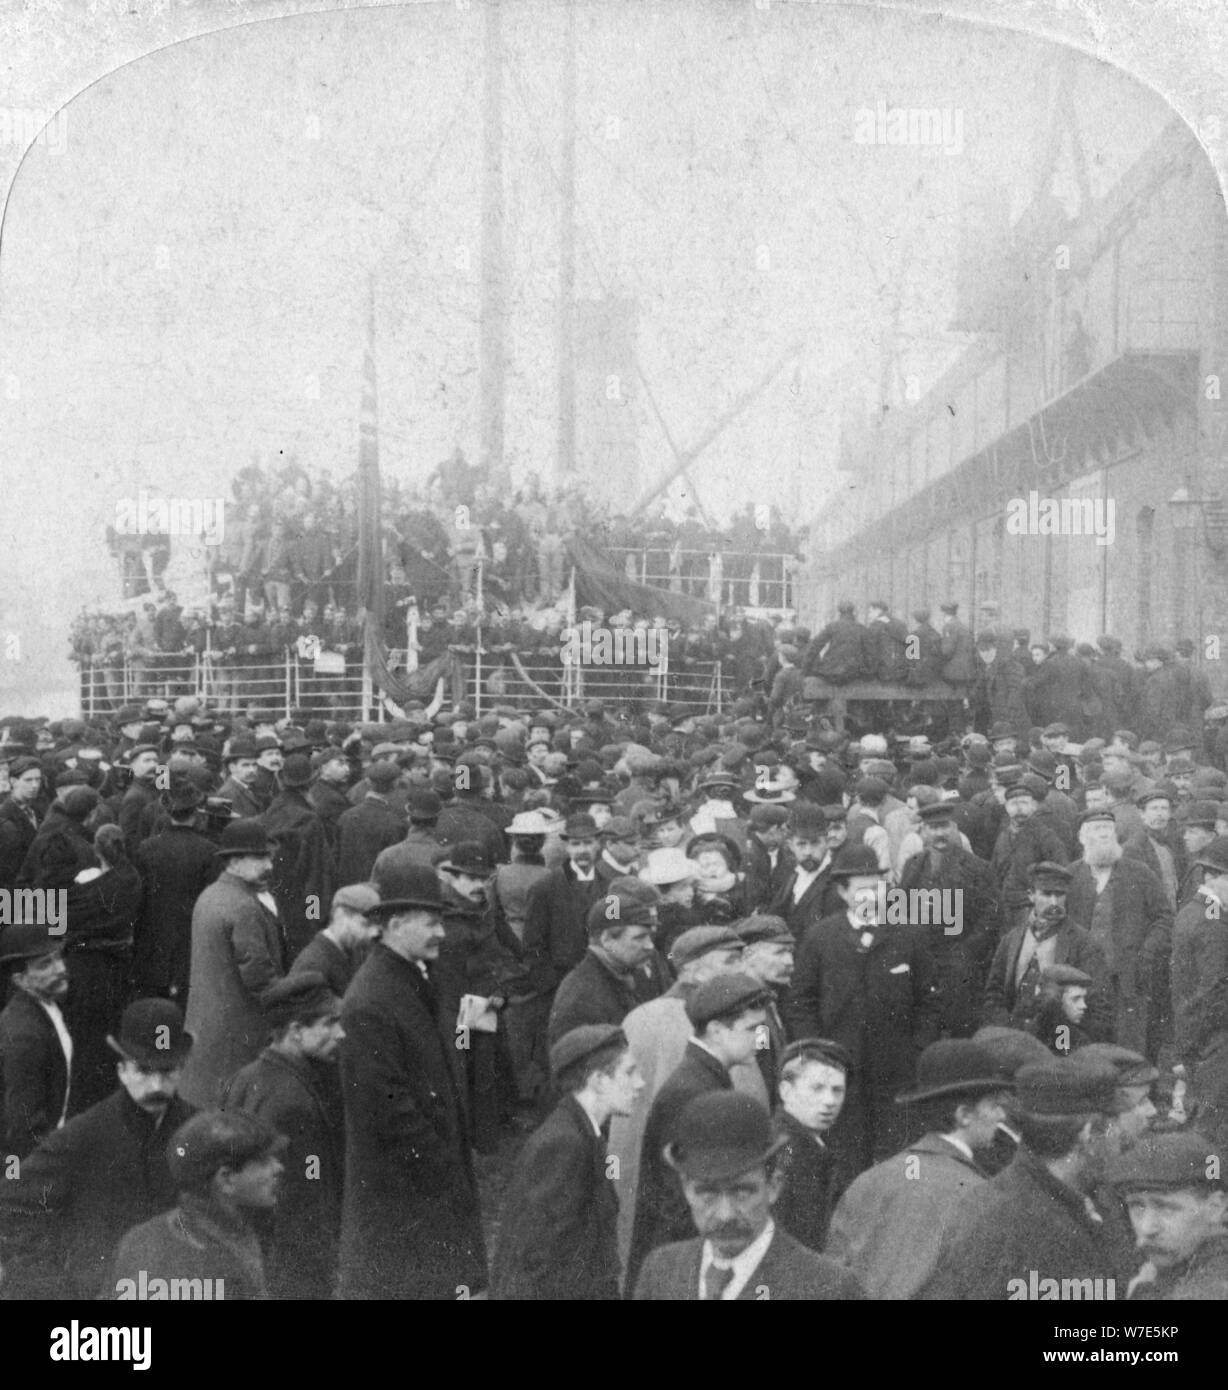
[(746, 1005)]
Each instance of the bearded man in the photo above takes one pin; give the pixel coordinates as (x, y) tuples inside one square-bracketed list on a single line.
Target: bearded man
[(1123, 906)]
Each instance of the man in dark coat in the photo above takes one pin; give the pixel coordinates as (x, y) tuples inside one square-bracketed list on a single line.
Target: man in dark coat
[(556, 910), (226, 1167), (999, 684), (1032, 1222), (1122, 906), (926, 666), (1045, 937), (142, 792), (371, 826), (813, 1084), (327, 794), (338, 949), (35, 1048), (1159, 844), (961, 949), (557, 1240), (103, 1173), (1022, 842), (602, 987), (808, 893), (303, 876), (1119, 687), (1200, 991), (958, 651), (293, 1087), (837, 652), (1060, 688), (726, 1014), (19, 817), (870, 986), (726, 1160), (1161, 695), (886, 645), (241, 769), (411, 1224), (890, 1224), (176, 867), (769, 861)]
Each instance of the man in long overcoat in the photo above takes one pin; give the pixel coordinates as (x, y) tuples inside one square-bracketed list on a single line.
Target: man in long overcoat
[(303, 875), (238, 954), (870, 986), (293, 1087), (411, 1224), (1032, 1221)]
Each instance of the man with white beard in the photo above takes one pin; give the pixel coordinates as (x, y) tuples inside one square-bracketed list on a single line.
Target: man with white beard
[(1124, 907)]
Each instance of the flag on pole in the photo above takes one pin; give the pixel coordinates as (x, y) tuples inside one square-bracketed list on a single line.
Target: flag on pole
[(370, 524)]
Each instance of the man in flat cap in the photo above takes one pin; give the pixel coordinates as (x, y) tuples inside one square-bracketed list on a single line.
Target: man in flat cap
[(227, 1168), (103, 1173), (1032, 1221), (658, 1032), (1024, 840), (602, 987), (812, 1086), (411, 1221), (726, 1015), (727, 1161), (293, 1086), (1173, 1186), (558, 1236), (1045, 937), (1122, 906), (870, 985), (890, 1225), (342, 944)]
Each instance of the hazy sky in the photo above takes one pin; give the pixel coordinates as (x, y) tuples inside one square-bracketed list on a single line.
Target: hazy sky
[(185, 258)]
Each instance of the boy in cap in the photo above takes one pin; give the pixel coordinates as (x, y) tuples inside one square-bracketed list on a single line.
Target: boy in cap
[(1061, 1009), (293, 1087), (890, 1224), (1174, 1190), (812, 1086), (226, 1167), (1033, 1221), (558, 1236), (726, 1015), (104, 1172), (726, 1159)]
